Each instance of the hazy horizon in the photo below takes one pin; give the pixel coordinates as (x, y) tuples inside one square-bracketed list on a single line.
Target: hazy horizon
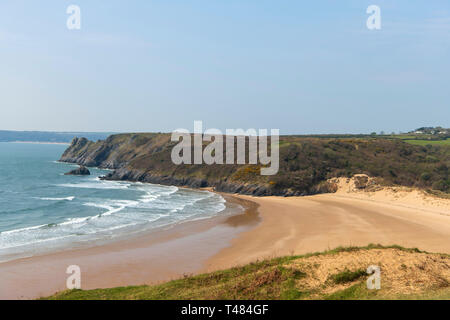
[(155, 66), (282, 134)]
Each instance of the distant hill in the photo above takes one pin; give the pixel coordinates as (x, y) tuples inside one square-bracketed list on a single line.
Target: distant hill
[(43, 136)]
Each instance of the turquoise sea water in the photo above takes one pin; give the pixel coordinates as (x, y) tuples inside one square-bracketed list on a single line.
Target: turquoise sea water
[(43, 210)]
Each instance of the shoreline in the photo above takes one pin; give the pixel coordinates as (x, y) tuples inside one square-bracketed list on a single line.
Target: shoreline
[(157, 256), (269, 227)]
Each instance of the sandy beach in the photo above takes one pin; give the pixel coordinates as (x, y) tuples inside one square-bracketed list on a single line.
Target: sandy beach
[(316, 223), (270, 226)]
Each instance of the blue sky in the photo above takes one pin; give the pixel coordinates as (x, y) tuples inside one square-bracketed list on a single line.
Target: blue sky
[(299, 66)]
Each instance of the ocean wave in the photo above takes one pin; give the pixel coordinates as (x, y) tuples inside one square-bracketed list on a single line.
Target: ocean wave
[(96, 185), (59, 199), (23, 229), (152, 194), (74, 221), (150, 206), (65, 163), (192, 201), (33, 242), (112, 207)]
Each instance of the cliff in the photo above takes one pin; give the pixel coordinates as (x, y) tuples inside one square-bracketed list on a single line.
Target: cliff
[(305, 164)]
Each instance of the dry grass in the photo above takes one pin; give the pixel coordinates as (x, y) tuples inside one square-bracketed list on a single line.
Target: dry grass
[(402, 272)]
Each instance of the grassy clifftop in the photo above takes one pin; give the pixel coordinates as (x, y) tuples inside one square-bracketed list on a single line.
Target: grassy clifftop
[(336, 274), (305, 164)]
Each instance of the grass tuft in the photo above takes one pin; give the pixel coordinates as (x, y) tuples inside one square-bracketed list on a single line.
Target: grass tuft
[(347, 276)]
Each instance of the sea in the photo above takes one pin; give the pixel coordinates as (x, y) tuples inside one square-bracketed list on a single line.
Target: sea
[(42, 210)]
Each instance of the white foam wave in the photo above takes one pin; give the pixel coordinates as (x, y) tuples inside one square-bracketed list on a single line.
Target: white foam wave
[(152, 194), (154, 206), (33, 242), (75, 221), (113, 207), (23, 229), (59, 199), (96, 185)]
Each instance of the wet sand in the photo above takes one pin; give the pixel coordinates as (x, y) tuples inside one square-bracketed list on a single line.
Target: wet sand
[(159, 256)]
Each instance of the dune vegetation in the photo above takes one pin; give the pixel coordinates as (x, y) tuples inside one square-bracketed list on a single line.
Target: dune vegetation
[(337, 274)]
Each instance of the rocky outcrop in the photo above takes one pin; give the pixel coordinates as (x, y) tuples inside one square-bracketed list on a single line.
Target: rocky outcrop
[(361, 181), (81, 171), (357, 183)]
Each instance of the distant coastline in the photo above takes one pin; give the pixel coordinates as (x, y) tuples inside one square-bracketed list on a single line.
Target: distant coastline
[(39, 142), (47, 136)]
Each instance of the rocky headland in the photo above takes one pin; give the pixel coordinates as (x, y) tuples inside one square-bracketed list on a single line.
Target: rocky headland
[(307, 165)]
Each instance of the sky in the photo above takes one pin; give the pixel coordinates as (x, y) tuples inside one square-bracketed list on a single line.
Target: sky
[(151, 66)]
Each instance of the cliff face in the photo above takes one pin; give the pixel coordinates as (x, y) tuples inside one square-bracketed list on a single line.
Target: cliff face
[(146, 158), (305, 164), (111, 153)]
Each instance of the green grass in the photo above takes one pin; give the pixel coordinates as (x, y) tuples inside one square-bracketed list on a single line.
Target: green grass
[(359, 292), (429, 142), (355, 292), (278, 278), (348, 276)]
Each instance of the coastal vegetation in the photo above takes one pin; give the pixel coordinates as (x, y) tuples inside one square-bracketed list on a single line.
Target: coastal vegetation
[(306, 163), (419, 142), (335, 274)]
